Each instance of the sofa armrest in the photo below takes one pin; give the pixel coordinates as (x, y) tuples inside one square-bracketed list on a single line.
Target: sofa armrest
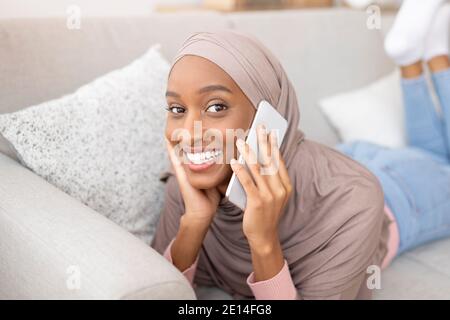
[(54, 247)]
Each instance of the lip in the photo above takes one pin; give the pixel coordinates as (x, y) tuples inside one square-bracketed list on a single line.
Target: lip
[(196, 167), (201, 167)]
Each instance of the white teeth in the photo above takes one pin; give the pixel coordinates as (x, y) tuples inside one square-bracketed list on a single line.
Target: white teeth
[(202, 157)]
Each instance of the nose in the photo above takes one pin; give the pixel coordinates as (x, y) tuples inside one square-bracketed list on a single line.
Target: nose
[(193, 128)]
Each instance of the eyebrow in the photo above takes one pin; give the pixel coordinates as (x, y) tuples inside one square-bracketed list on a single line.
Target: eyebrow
[(213, 87)]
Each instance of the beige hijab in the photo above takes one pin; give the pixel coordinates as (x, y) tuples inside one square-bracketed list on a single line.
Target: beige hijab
[(331, 228)]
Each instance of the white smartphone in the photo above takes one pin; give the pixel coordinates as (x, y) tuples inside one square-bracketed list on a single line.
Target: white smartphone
[(272, 119)]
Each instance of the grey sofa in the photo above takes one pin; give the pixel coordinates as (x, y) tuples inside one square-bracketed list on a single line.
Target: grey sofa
[(47, 238)]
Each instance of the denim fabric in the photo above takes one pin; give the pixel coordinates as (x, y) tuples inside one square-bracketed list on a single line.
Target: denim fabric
[(416, 178)]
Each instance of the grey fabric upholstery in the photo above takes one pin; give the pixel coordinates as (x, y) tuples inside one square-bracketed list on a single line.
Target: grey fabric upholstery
[(47, 238)]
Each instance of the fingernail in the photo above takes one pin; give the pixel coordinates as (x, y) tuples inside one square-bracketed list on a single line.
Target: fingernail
[(240, 143), (233, 161), (262, 127)]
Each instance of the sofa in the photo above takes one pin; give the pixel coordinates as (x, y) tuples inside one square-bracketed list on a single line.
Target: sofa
[(44, 232)]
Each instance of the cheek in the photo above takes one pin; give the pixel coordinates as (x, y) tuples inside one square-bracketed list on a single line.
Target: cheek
[(170, 130)]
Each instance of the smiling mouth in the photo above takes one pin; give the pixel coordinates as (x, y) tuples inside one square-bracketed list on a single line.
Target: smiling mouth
[(204, 157)]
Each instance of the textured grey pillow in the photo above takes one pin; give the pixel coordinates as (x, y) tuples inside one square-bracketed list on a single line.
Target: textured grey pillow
[(104, 143)]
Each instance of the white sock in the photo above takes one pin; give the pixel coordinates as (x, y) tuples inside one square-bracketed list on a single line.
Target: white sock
[(359, 4), (363, 4), (405, 41), (437, 39)]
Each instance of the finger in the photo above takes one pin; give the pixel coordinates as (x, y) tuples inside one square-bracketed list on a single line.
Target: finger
[(252, 163), (266, 175), (281, 167), (244, 178), (271, 173), (263, 145), (281, 170)]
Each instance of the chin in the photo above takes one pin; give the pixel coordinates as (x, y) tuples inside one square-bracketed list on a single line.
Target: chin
[(211, 178)]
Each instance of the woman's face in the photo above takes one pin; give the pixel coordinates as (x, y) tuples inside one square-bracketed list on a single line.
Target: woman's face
[(207, 111)]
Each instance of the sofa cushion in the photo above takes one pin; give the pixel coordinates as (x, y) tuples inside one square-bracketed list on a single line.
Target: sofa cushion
[(103, 144), (373, 113)]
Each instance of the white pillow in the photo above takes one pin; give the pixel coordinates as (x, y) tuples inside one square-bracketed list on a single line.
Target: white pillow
[(374, 113), (104, 143)]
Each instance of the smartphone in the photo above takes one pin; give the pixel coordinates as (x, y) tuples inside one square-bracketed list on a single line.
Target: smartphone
[(266, 114)]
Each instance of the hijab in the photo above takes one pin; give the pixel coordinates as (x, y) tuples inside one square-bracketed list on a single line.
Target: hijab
[(331, 229)]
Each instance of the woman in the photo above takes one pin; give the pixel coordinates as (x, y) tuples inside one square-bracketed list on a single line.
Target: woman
[(309, 231), (416, 179)]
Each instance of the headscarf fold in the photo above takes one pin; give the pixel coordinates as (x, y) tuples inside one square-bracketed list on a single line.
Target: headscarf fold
[(333, 226)]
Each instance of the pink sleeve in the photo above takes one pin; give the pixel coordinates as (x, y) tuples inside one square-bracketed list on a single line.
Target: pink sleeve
[(189, 272), (279, 287)]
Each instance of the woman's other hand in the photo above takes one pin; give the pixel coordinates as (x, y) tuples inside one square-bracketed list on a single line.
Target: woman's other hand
[(200, 205)]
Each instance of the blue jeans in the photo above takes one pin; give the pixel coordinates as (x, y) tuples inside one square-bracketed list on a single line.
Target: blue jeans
[(416, 178)]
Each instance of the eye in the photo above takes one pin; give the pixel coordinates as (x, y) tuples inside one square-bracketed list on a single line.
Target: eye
[(175, 109), (217, 107)]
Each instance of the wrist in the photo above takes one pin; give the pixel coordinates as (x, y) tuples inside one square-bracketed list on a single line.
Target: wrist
[(266, 246), (188, 242), (193, 228), (267, 258), (191, 221)]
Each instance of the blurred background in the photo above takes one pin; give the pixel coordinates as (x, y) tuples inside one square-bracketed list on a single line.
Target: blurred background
[(26, 8)]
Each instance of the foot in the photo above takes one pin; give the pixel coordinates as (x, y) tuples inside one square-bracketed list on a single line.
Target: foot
[(437, 38), (359, 4), (405, 42)]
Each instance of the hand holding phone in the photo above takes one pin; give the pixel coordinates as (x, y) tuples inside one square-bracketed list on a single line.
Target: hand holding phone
[(267, 115)]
